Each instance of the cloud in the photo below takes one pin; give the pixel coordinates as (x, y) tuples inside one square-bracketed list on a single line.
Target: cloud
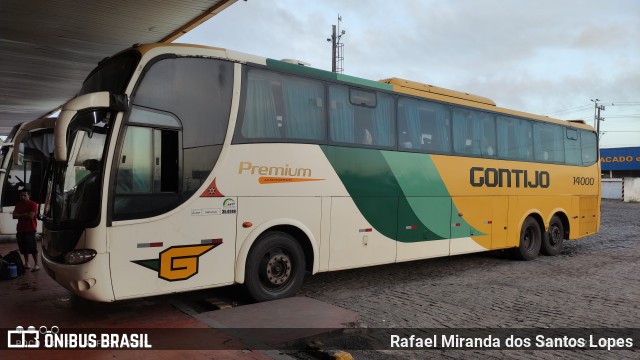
[(538, 56)]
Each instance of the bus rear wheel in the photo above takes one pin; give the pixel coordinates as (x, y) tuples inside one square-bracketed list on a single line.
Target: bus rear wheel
[(552, 242), (530, 240), (275, 267)]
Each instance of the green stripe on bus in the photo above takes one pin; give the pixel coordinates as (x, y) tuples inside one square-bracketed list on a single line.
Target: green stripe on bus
[(416, 174), (370, 183), (325, 75), (300, 70), (364, 82), (400, 194)]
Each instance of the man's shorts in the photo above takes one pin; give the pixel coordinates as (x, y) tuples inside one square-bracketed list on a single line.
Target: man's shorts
[(27, 242)]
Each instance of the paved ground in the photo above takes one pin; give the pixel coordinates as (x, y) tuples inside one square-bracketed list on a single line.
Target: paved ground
[(594, 283), (34, 299)]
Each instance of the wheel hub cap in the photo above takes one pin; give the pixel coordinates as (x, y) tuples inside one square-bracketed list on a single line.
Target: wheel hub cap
[(278, 269), (555, 236)]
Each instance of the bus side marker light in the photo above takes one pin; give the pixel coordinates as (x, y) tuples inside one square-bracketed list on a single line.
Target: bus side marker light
[(211, 241), (153, 244), (247, 224)]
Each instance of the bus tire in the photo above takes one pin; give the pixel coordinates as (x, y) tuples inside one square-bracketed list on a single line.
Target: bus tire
[(275, 267), (530, 240), (552, 241)]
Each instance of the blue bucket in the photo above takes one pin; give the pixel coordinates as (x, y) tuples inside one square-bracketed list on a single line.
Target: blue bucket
[(13, 271)]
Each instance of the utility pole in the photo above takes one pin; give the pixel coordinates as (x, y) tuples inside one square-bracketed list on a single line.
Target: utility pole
[(337, 48), (597, 119)]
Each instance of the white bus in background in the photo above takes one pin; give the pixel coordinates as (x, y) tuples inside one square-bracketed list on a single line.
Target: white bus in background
[(24, 168)]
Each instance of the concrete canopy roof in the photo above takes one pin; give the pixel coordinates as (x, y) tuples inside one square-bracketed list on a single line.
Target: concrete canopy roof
[(49, 47)]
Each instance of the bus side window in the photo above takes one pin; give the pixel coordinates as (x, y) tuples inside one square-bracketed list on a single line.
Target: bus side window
[(406, 116), (384, 125), (304, 111), (515, 140), (589, 145), (572, 151), (341, 115), (467, 133), (361, 117), (181, 109), (548, 140), (148, 176), (488, 145), (261, 119), (281, 108), (363, 126), (424, 126)]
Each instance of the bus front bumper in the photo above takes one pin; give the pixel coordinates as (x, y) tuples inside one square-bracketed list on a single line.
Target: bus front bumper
[(90, 280)]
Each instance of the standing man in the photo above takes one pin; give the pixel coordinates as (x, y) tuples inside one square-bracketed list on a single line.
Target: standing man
[(25, 211)]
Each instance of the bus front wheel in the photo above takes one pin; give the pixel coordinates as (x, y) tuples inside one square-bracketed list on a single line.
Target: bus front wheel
[(552, 242), (275, 267), (530, 240)]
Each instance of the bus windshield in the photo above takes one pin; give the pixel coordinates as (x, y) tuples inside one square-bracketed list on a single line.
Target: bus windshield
[(112, 75), (74, 190)]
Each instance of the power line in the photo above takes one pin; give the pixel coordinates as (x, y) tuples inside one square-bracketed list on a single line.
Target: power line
[(622, 116), (574, 109), (586, 107), (610, 117), (616, 103)]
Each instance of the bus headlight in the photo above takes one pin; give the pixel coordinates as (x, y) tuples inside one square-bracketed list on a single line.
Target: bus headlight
[(81, 256)]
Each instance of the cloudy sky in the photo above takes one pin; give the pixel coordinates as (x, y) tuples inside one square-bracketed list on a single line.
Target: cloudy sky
[(546, 57)]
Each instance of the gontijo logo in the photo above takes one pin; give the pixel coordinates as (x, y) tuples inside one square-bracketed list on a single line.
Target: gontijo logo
[(54, 339), (492, 177), (179, 262), (276, 174)]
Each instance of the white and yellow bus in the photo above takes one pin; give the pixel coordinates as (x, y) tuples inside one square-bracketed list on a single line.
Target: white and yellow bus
[(24, 159), (187, 167)]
